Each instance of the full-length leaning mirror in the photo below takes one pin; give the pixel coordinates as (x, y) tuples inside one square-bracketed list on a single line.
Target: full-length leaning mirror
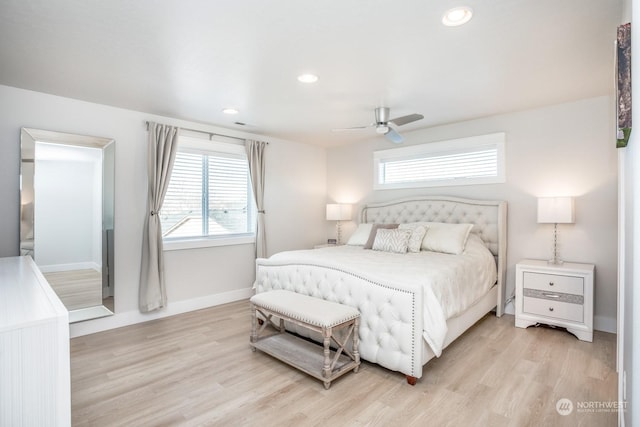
[(66, 218)]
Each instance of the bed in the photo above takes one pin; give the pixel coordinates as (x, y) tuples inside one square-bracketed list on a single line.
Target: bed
[(412, 305)]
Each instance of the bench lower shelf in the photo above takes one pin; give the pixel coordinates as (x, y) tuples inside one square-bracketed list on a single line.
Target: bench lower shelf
[(303, 355)]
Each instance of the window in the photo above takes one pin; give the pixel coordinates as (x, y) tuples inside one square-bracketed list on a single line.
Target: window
[(209, 200), (465, 161)]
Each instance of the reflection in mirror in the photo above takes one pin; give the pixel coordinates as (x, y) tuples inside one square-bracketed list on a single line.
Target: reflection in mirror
[(66, 218)]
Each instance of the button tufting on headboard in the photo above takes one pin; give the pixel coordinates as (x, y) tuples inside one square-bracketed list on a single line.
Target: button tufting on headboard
[(483, 214)]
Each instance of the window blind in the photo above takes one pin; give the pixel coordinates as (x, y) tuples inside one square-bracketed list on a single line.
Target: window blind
[(209, 195), (181, 213), (473, 164), (464, 161)]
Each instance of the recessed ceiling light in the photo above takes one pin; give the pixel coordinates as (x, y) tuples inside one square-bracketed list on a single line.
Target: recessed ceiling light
[(230, 111), (307, 78), (457, 16)]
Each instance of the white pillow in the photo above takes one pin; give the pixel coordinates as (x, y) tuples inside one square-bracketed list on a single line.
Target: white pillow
[(391, 240), (418, 231), (446, 238), (361, 235)]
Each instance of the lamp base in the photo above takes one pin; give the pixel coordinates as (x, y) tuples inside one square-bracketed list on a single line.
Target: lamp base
[(555, 260)]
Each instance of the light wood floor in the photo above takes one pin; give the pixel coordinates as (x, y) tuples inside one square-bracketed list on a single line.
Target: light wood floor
[(77, 288), (197, 369)]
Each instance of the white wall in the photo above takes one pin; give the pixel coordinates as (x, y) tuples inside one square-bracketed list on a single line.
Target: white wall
[(564, 149), (629, 346), (629, 340), (294, 199), (68, 210)]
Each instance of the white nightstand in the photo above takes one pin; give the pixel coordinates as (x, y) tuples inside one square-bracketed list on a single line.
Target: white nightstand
[(560, 295), (324, 245)]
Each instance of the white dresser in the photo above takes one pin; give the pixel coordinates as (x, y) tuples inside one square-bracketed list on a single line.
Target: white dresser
[(35, 386), (560, 295)]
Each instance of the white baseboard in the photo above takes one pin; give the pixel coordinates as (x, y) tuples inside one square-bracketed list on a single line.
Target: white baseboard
[(119, 320), (53, 268), (510, 309), (601, 323), (605, 324), (82, 314)]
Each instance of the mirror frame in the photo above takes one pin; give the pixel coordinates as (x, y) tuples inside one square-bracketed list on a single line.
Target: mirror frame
[(28, 197)]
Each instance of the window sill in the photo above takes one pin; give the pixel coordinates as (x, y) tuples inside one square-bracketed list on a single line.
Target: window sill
[(440, 183), (177, 245)]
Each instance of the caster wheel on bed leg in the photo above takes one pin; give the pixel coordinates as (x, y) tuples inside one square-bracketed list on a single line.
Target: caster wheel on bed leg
[(411, 380)]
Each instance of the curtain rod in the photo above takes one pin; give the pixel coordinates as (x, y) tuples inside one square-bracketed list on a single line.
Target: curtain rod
[(211, 134)]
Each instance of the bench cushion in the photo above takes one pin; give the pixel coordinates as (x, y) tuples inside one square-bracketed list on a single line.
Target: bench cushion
[(314, 311)]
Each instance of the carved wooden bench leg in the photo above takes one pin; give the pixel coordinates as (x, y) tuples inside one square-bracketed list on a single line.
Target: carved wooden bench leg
[(254, 326), (411, 380), (356, 353), (326, 369)]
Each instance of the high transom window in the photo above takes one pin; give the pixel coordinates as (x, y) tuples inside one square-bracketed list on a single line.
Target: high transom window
[(475, 160)]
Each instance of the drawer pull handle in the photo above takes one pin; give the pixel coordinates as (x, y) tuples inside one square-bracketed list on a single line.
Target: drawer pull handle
[(551, 295), (550, 308), (550, 283)]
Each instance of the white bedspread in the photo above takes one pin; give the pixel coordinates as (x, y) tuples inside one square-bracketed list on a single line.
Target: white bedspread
[(451, 283)]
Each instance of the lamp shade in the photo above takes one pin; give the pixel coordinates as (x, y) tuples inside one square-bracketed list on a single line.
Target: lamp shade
[(338, 212), (556, 210)]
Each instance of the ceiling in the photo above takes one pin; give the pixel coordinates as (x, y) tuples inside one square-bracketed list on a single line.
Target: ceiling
[(189, 59)]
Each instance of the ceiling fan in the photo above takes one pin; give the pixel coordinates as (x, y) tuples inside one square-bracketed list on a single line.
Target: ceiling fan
[(386, 126)]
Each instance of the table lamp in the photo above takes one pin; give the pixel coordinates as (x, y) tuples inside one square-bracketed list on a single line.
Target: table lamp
[(556, 210), (338, 212)]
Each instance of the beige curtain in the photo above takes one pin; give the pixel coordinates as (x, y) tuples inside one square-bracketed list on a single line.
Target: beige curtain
[(163, 143), (255, 156)]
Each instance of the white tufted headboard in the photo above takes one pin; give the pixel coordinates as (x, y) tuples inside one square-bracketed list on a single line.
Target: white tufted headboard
[(489, 219)]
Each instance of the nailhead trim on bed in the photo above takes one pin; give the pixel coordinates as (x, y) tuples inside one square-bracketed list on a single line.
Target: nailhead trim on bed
[(275, 281)]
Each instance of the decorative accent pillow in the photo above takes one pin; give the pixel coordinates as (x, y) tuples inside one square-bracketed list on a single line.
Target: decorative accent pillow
[(374, 231), (361, 235), (418, 231), (446, 238), (392, 240)]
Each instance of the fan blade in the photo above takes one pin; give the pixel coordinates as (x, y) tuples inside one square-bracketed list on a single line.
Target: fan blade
[(393, 136), (399, 121), (353, 128)]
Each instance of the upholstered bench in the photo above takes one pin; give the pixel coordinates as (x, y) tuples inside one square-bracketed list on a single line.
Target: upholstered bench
[(314, 314)]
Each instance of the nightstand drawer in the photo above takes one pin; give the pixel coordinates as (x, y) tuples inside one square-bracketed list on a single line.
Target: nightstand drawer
[(554, 309), (554, 283)]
